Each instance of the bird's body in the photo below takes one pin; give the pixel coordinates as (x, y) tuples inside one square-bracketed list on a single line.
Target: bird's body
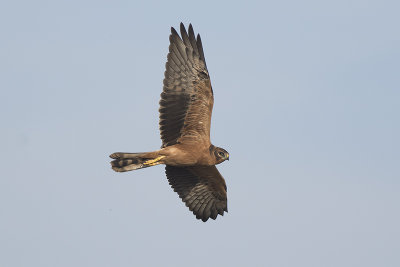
[(185, 118), (175, 155)]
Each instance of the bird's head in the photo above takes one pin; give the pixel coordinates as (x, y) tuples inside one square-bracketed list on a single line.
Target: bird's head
[(220, 154)]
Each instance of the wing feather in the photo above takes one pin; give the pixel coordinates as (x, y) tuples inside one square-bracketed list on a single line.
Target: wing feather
[(202, 188), (187, 100), (192, 39)]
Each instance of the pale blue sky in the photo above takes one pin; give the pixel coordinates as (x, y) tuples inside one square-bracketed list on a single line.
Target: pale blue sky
[(307, 100)]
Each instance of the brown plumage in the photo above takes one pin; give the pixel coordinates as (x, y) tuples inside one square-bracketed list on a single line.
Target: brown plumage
[(185, 118)]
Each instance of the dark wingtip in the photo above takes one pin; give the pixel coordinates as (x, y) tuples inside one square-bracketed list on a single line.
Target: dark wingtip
[(173, 31)]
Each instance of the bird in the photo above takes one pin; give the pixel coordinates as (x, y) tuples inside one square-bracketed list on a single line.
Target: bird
[(185, 110)]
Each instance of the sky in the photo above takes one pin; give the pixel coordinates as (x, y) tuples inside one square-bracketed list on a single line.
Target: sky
[(306, 102)]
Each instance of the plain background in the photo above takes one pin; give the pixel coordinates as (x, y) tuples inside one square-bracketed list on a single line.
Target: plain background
[(306, 102)]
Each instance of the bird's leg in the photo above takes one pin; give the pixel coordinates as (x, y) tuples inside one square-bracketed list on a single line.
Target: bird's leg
[(152, 162)]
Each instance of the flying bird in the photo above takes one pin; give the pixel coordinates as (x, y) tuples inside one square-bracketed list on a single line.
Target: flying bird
[(185, 117)]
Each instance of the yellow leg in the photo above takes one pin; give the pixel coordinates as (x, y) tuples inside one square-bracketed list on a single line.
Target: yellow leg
[(152, 162)]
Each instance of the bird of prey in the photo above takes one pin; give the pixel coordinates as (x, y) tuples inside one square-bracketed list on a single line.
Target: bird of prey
[(185, 117)]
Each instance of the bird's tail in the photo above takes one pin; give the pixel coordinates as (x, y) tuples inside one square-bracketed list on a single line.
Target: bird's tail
[(124, 162)]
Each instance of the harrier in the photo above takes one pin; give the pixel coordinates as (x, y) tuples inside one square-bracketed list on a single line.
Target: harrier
[(185, 117)]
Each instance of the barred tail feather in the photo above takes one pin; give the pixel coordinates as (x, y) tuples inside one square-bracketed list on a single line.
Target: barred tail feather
[(124, 165), (124, 162)]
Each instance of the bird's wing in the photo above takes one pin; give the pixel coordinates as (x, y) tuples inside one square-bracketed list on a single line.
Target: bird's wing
[(187, 98), (202, 188)]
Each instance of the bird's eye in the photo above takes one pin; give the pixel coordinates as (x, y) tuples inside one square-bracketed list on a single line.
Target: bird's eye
[(221, 154)]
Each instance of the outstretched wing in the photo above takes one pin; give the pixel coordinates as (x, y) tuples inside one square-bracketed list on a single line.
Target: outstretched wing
[(202, 188), (187, 98)]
